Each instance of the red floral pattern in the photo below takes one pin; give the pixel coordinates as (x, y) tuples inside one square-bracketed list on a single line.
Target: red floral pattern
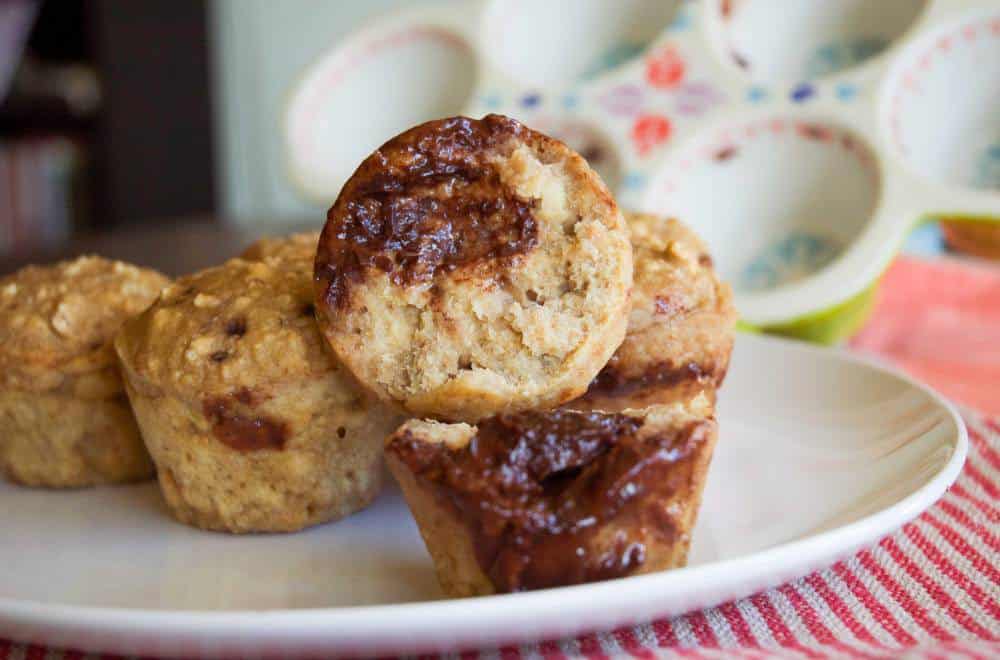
[(649, 131), (665, 69)]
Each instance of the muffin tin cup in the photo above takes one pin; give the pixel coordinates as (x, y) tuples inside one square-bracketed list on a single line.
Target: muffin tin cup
[(394, 73), (802, 155)]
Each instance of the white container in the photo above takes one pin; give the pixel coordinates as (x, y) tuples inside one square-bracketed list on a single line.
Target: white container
[(802, 139)]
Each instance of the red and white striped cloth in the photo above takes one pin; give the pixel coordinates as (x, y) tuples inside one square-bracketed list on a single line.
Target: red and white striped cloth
[(931, 590)]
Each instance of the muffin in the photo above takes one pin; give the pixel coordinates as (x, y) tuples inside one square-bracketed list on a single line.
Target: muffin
[(252, 424), (472, 267), (680, 328), (293, 247), (547, 499), (66, 421)]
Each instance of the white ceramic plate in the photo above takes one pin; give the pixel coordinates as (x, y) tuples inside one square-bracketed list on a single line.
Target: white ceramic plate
[(819, 454)]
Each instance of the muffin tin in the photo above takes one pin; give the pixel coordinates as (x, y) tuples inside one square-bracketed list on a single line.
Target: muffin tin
[(802, 139)]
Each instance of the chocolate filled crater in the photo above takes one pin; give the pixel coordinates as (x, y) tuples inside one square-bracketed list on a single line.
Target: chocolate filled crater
[(240, 430), (430, 200), (535, 489)]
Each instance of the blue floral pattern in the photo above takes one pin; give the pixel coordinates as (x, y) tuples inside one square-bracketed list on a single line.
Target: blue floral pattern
[(792, 258)]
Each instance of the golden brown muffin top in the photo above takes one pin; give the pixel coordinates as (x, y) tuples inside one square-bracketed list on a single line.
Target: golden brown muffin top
[(681, 312), (243, 324), (60, 319), (291, 247), (673, 275)]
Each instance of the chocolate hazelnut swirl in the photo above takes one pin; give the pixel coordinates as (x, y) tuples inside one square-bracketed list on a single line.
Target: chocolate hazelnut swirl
[(427, 201), (565, 497)]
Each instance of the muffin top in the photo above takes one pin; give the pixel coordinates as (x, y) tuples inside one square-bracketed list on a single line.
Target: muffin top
[(681, 321), (241, 325), (60, 320), (670, 259), (294, 247)]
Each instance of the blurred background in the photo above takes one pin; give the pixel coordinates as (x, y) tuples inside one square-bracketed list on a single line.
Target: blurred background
[(115, 113), (151, 131), (120, 114)]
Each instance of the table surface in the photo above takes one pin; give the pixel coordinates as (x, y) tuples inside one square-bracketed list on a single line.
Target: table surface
[(175, 248)]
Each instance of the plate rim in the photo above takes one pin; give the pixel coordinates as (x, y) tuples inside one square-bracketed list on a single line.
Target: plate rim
[(374, 626)]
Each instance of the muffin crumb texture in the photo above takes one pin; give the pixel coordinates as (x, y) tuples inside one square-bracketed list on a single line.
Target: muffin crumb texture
[(680, 328), (471, 267), (252, 423), (58, 321), (66, 420), (300, 246)]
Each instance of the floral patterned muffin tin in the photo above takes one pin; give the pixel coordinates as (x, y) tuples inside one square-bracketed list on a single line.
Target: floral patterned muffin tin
[(802, 139)]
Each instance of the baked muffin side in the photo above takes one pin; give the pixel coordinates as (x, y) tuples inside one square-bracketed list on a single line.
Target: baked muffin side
[(680, 328), (253, 425), (66, 420)]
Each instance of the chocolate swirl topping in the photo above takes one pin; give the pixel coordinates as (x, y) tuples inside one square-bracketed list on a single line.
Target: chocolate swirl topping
[(428, 201), (535, 488)]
